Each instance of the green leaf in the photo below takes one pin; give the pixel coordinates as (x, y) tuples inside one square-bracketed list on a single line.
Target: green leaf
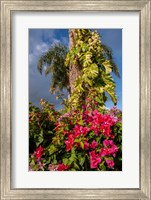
[(109, 158), (82, 145), (52, 149), (65, 161), (76, 166), (73, 150), (77, 140), (110, 87), (92, 71), (102, 166), (91, 134), (99, 100), (40, 140), (72, 169), (48, 161), (81, 160), (107, 66), (32, 162), (87, 80), (72, 159), (50, 132), (81, 121)]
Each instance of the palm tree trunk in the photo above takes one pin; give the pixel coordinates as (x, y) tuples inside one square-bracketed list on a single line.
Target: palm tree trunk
[(74, 69)]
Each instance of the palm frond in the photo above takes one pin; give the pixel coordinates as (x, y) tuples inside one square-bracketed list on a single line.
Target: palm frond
[(53, 62)]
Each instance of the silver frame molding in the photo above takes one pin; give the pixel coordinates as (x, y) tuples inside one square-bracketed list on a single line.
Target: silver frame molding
[(144, 9)]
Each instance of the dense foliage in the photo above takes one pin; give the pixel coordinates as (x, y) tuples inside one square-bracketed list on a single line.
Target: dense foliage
[(79, 140), (41, 122)]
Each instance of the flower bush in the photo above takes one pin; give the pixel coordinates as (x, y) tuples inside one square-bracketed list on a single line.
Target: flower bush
[(86, 139), (41, 124)]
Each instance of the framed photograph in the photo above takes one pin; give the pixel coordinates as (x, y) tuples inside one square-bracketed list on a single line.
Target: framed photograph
[(75, 99)]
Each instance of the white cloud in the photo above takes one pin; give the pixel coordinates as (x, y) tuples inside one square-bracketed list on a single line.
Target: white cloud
[(42, 48)]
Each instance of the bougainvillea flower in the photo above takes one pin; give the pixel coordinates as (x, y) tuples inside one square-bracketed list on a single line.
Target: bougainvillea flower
[(109, 151), (96, 113), (87, 99), (106, 143), (77, 144), (95, 128), (113, 149), (103, 152), (110, 163), (110, 119), (98, 117), (69, 143), (94, 160), (84, 106), (105, 129), (79, 130), (65, 132), (94, 144), (63, 116), (86, 112), (62, 167), (86, 145), (87, 117), (112, 136), (38, 152), (111, 142)]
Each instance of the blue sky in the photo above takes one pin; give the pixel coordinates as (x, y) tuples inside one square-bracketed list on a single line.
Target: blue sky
[(40, 40)]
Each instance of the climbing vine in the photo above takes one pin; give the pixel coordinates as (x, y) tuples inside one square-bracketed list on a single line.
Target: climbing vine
[(95, 81)]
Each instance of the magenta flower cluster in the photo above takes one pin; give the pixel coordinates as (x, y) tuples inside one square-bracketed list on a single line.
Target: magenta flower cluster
[(85, 139), (98, 124)]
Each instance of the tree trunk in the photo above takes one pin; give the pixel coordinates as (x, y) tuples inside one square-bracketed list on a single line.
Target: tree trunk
[(74, 69)]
